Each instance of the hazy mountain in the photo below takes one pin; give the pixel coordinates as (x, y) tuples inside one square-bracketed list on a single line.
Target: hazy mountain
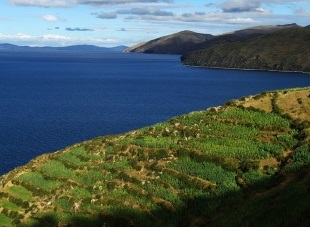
[(177, 43), (7, 46), (284, 50)]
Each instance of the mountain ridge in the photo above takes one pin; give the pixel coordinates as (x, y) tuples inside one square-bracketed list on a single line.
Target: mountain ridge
[(283, 50), (177, 43), (85, 47), (223, 51)]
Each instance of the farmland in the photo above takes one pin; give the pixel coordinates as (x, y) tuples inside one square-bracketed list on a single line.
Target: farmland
[(228, 165)]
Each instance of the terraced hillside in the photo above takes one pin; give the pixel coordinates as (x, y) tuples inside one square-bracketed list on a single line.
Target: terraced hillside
[(245, 163)]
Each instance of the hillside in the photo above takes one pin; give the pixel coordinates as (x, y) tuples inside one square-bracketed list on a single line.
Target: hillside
[(188, 41), (241, 35), (284, 50), (178, 43), (245, 163)]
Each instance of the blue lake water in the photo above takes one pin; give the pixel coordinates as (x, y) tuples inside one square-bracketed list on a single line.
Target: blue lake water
[(52, 100)]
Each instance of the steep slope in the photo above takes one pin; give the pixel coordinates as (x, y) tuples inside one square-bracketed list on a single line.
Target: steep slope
[(178, 43), (231, 165), (284, 50)]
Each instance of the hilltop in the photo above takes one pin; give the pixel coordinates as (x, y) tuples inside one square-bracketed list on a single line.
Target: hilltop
[(244, 163), (178, 43)]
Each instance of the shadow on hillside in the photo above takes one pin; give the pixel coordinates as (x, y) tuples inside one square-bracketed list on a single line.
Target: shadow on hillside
[(280, 205)]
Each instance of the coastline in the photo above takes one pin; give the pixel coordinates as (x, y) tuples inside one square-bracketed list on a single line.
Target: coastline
[(242, 69)]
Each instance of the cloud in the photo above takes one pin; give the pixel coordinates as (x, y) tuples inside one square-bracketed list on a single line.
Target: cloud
[(240, 21), (144, 11), (55, 28), (209, 5), (5, 19), (42, 3), (116, 2), (79, 29), (234, 6), (106, 15), (52, 18), (237, 6), (54, 40), (303, 12)]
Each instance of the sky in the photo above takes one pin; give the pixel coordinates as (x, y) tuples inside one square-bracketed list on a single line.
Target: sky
[(127, 22)]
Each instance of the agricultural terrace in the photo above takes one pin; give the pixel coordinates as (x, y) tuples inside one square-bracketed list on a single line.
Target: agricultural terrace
[(226, 163)]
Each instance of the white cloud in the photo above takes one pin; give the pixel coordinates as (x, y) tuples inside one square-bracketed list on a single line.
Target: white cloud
[(42, 3), (67, 3), (52, 18), (54, 40), (303, 12), (237, 6), (240, 21), (115, 2)]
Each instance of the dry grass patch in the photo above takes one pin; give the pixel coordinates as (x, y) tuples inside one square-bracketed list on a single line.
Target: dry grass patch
[(296, 104), (263, 103)]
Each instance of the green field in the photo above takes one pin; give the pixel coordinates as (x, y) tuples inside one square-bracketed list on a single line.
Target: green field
[(228, 166)]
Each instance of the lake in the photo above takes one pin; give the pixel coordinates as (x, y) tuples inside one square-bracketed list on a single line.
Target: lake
[(52, 100)]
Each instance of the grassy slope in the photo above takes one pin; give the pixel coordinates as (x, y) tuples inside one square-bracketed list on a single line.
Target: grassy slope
[(285, 50), (223, 166)]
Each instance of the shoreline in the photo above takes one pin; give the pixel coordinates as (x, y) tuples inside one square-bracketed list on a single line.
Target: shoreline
[(242, 69)]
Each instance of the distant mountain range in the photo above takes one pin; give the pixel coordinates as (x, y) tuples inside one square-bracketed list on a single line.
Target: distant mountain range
[(7, 46), (273, 47)]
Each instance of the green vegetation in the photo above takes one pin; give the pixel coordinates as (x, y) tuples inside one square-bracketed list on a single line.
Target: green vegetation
[(230, 165), (5, 221)]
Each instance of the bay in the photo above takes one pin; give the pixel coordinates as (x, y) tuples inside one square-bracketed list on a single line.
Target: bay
[(52, 100)]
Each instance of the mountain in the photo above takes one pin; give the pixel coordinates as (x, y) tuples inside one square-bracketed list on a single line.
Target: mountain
[(239, 35), (283, 50), (245, 163), (121, 48), (188, 41), (7, 46), (177, 43), (267, 29)]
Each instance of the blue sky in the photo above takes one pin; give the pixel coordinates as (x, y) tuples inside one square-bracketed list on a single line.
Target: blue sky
[(128, 22)]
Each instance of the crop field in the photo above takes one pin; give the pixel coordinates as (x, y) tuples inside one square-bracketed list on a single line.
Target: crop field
[(217, 166)]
